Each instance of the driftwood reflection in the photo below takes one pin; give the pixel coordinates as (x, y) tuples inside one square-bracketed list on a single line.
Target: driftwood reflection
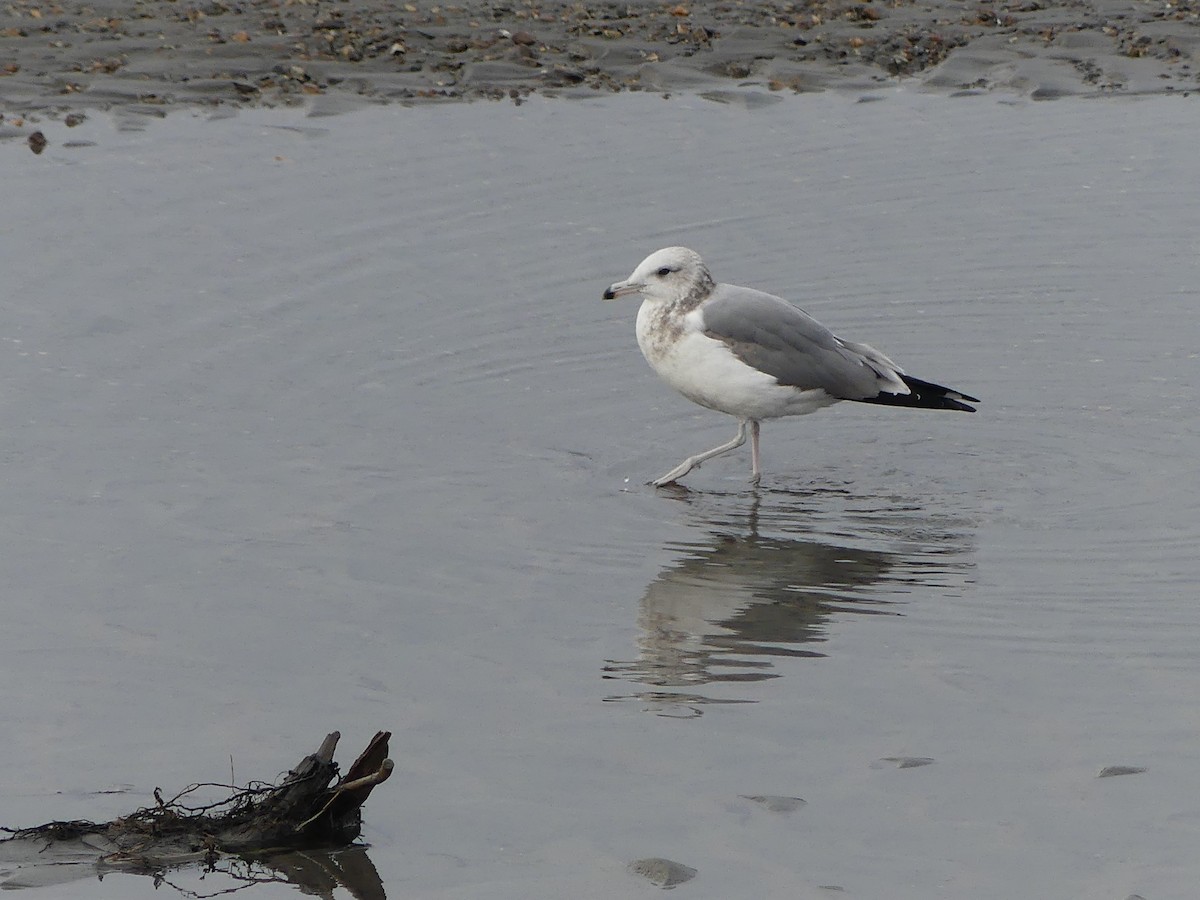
[(317, 873)]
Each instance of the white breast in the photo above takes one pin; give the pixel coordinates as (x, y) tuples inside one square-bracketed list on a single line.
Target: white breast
[(706, 371)]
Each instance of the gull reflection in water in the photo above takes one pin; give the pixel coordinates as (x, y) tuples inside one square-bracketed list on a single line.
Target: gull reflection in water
[(734, 602)]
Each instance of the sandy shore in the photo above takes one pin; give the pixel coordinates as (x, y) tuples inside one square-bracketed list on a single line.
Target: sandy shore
[(60, 56)]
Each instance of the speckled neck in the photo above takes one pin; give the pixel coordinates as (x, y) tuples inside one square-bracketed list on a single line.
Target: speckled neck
[(698, 294)]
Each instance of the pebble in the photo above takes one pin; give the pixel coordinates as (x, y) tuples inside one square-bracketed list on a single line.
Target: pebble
[(662, 872)]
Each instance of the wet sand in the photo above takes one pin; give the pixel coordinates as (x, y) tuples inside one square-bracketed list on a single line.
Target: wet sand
[(59, 57)]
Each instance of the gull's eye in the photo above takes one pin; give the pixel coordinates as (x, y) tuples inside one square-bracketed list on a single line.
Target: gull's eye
[(664, 271)]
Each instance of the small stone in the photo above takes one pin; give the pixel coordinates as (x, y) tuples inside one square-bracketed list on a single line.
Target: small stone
[(908, 762), (662, 872), (776, 804), (1112, 771)]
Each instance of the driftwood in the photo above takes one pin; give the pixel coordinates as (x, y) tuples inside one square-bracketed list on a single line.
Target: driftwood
[(302, 813)]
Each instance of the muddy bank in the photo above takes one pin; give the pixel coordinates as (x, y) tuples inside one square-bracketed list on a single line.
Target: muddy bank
[(80, 54)]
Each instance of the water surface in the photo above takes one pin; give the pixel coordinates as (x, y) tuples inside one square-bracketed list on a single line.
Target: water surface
[(319, 423)]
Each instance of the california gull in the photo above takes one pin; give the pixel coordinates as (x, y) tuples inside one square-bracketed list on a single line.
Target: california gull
[(753, 355)]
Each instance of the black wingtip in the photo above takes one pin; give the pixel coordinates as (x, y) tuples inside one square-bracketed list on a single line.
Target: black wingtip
[(948, 403), (926, 395)]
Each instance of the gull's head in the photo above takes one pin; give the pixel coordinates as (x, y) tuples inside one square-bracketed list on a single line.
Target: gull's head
[(666, 275)]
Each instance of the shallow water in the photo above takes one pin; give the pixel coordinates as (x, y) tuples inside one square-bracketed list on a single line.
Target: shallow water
[(319, 423)]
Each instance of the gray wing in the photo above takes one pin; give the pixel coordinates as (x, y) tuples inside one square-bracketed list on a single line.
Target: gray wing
[(773, 336)]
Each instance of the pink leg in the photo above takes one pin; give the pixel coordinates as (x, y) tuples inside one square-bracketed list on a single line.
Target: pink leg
[(693, 461), (754, 464)]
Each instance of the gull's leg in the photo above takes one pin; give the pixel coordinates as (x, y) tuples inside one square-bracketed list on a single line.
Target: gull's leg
[(755, 468), (693, 461)]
